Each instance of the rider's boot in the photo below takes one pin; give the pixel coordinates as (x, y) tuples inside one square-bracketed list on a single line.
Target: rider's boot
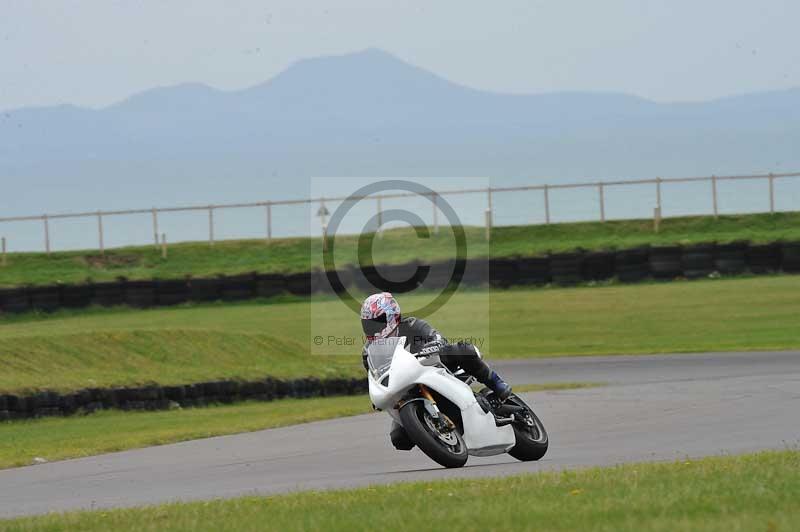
[(500, 388), (467, 357)]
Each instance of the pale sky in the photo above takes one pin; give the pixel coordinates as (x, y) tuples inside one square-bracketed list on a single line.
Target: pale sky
[(96, 52)]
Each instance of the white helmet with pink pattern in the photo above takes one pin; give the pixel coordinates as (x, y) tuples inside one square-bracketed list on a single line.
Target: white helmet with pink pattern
[(380, 316)]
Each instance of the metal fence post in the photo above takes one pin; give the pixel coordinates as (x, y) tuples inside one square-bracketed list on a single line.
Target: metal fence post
[(435, 213), (547, 204), (163, 245), (210, 225), (269, 222), (714, 194), (602, 202), (658, 192), (155, 226), (771, 193), (488, 212), (380, 216), (4, 262), (657, 219), (46, 233), (100, 232), (323, 213)]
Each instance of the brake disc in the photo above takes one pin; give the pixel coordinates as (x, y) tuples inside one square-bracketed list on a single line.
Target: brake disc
[(449, 437)]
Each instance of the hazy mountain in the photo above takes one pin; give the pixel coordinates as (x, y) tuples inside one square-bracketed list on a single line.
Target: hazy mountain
[(369, 113)]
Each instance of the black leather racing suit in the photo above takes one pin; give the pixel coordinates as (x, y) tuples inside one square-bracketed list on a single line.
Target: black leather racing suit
[(454, 356)]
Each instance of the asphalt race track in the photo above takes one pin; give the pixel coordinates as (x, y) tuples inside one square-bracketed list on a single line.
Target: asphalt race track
[(654, 408)]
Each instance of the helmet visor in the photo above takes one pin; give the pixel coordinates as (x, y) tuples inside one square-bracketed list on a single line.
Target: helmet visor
[(374, 326)]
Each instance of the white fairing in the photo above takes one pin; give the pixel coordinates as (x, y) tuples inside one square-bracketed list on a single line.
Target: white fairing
[(404, 371)]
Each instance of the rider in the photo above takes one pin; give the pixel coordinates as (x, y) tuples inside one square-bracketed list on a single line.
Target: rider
[(380, 318)]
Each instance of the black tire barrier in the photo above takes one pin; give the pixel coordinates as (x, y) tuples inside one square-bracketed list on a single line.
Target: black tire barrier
[(337, 281), (141, 294), (633, 265), (370, 280), (45, 298), (154, 397), (366, 280), (476, 272), (628, 265), (204, 289), (533, 271), (15, 300), (764, 258), (566, 269), (399, 278), (439, 276), (302, 284), (731, 259), (790, 257), (76, 295), (599, 266), (171, 292), (270, 284), (237, 288), (665, 262), (396, 278), (503, 272), (698, 261), (108, 294)]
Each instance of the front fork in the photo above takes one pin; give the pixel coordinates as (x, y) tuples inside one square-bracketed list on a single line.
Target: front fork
[(443, 422), (431, 402)]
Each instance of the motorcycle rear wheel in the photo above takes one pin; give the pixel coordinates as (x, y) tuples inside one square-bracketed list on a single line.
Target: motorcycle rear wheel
[(446, 449)]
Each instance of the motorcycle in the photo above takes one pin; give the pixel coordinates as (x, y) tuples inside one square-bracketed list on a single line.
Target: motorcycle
[(438, 411)]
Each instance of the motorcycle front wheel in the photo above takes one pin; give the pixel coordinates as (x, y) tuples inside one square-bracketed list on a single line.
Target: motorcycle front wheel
[(445, 447)]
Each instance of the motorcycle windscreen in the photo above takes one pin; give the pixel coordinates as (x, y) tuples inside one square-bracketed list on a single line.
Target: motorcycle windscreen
[(380, 353)]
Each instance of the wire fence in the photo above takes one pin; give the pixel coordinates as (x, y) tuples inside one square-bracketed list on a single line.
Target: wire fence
[(493, 197)]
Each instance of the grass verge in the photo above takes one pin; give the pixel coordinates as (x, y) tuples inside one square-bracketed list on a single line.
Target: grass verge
[(114, 430), (735, 493), (179, 345), (396, 246), (120, 356)]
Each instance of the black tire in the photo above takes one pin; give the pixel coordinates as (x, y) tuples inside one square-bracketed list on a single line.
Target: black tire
[(532, 442), (533, 270), (598, 266), (730, 266), (633, 265), (566, 268), (413, 416), (503, 272), (665, 262), (790, 253), (764, 258)]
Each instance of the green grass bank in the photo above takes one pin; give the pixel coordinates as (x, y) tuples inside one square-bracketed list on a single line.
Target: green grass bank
[(726, 494), (396, 246), (112, 347)]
